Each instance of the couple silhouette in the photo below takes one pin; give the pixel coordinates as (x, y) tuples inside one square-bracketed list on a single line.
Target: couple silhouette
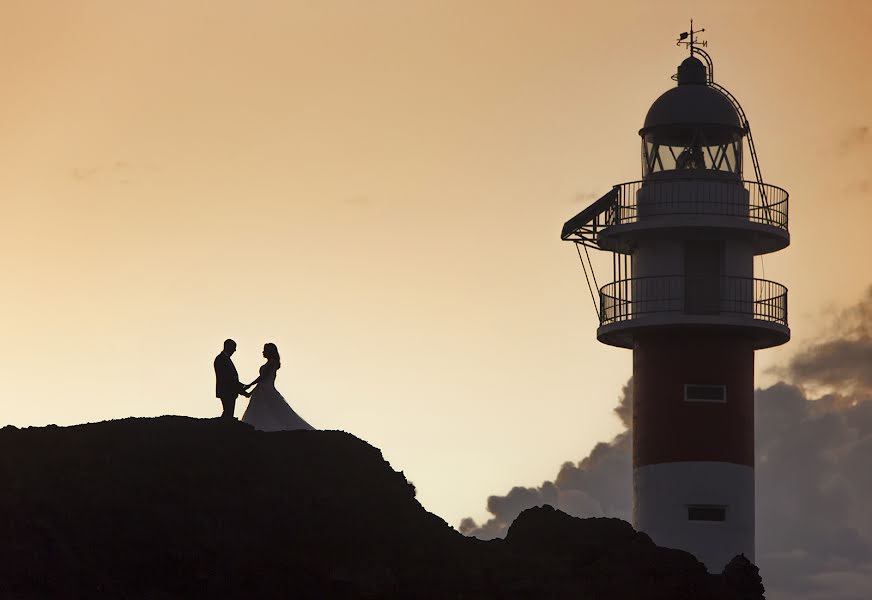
[(267, 409)]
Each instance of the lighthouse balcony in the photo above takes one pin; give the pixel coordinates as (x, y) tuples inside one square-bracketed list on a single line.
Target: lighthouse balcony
[(724, 206), (753, 307)]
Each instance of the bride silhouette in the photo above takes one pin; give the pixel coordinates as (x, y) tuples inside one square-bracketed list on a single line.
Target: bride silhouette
[(267, 409)]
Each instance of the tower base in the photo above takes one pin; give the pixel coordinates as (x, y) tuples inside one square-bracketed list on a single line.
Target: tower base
[(705, 508)]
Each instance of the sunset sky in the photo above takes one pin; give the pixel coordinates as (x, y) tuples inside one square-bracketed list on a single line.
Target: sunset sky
[(378, 187)]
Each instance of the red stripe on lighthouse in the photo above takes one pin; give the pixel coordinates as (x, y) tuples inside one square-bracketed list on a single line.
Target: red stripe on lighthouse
[(668, 428)]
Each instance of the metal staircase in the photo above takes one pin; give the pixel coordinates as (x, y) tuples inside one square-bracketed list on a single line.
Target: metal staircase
[(742, 118)]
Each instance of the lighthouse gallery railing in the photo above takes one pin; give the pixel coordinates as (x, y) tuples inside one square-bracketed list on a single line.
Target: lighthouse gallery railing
[(766, 204), (632, 298), (635, 201)]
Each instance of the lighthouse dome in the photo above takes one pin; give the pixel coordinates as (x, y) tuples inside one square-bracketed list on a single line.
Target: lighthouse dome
[(692, 102), (692, 127)]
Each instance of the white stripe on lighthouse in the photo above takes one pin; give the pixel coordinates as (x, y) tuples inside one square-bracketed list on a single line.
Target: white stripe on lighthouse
[(677, 504)]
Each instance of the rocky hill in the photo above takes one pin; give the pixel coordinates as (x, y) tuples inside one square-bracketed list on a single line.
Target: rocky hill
[(175, 507)]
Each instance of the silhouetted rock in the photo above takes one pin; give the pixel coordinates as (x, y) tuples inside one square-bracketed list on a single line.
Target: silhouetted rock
[(547, 532), (742, 578), (175, 507)]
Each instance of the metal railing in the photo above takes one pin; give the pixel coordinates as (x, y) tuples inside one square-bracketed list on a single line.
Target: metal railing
[(629, 299), (766, 204), (636, 201)]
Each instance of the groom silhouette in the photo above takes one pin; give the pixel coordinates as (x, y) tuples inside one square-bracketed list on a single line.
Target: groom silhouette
[(227, 385)]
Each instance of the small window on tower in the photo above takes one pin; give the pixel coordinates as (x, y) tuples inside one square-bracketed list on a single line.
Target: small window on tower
[(705, 393), (706, 512)]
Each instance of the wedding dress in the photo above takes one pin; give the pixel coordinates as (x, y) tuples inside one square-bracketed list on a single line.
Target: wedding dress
[(267, 409)]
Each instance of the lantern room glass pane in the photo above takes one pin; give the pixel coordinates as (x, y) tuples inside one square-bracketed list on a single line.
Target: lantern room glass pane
[(694, 155)]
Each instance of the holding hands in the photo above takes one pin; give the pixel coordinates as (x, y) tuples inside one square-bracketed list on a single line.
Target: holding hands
[(244, 387)]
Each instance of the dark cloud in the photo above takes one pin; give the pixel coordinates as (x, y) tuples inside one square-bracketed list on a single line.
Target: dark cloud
[(359, 200), (814, 472), (861, 187), (813, 486), (624, 409), (586, 197), (599, 485), (84, 174), (842, 358), (118, 171), (857, 141), (855, 138)]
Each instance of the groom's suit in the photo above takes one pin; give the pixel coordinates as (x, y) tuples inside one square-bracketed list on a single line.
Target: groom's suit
[(227, 385)]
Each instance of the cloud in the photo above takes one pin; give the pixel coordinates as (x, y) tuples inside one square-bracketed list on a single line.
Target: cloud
[(814, 471), (813, 485), (861, 187), (118, 172), (843, 358), (586, 197), (855, 138), (598, 485), (857, 141), (358, 200)]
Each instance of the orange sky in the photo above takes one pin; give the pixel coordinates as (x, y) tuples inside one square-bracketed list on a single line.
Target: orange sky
[(378, 187)]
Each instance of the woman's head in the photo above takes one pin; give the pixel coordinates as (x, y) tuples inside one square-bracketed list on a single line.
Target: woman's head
[(270, 352)]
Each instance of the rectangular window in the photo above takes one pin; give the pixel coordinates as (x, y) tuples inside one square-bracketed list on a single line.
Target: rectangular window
[(706, 512), (705, 393)]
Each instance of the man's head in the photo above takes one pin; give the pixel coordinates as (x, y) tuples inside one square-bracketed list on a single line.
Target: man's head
[(229, 347)]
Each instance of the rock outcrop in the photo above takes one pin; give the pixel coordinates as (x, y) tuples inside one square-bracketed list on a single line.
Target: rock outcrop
[(175, 507)]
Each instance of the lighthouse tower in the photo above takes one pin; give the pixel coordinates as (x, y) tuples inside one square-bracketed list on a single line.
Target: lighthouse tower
[(685, 299)]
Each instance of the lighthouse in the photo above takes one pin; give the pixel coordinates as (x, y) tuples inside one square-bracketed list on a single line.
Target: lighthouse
[(685, 298)]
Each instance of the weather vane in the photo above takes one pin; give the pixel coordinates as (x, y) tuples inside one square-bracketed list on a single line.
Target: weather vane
[(692, 42)]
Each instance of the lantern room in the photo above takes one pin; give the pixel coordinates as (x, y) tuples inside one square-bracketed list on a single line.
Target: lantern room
[(692, 129)]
